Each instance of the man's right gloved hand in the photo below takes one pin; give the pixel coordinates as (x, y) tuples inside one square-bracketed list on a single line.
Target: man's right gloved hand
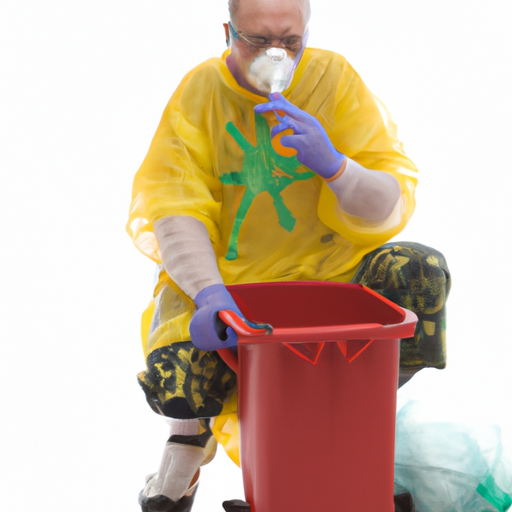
[(207, 330), (314, 148)]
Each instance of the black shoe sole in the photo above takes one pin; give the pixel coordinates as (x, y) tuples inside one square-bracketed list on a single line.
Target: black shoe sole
[(162, 503)]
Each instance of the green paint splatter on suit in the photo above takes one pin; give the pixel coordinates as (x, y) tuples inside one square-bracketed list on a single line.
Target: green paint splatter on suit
[(263, 170)]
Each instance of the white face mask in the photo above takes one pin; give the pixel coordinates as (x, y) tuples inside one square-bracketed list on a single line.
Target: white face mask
[(271, 71)]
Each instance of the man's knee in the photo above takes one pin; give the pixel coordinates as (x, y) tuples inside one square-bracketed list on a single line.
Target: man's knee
[(183, 382), (417, 278), (412, 275)]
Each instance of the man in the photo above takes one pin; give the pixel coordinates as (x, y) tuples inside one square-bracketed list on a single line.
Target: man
[(236, 189)]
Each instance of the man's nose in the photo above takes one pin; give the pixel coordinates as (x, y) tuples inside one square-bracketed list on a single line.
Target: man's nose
[(276, 54)]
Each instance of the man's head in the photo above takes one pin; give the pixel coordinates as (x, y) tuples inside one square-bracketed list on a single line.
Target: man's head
[(259, 24)]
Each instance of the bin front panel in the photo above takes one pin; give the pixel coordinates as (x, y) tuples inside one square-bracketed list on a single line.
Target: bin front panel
[(318, 437)]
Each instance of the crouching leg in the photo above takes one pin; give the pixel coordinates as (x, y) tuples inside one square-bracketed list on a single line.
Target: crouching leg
[(188, 386), (417, 278)]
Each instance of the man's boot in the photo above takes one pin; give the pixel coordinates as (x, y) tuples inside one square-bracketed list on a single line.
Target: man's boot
[(403, 499)]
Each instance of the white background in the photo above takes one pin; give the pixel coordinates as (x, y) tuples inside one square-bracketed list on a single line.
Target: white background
[(83, 86)]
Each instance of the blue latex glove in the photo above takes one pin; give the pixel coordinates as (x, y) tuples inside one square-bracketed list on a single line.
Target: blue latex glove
[(207, 330), (314, 149)]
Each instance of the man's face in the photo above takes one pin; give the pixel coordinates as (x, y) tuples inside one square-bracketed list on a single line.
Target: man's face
[(278, 21)]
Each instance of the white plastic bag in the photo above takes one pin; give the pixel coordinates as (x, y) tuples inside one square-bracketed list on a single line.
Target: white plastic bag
[(451, 467)]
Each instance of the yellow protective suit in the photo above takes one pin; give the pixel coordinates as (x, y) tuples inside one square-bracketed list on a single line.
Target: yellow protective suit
[(269, 218)]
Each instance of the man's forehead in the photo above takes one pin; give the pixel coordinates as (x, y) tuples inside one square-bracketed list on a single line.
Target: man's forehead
[(257, 11)]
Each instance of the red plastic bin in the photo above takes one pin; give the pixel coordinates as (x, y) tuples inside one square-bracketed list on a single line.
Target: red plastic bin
[(317, 397)]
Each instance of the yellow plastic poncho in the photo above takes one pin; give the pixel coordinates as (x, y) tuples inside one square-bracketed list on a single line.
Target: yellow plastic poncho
[(269, 218)]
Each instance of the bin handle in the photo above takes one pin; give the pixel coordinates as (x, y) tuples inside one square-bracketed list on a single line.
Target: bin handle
[(242, 326)]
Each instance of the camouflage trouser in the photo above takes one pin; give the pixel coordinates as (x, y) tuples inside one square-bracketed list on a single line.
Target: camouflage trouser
[(411, 275)]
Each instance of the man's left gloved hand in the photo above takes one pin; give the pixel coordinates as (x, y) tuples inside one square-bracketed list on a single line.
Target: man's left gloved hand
[(314, 149), (207, 330)]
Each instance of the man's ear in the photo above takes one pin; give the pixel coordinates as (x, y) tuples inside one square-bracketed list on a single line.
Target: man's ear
[(226, 32)]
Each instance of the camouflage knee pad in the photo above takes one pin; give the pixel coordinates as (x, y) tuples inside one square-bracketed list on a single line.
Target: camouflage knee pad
[(415, 277), (184, 382)]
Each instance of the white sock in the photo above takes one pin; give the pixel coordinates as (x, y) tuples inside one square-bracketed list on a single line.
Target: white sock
[(179, 464), (183, 427)]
